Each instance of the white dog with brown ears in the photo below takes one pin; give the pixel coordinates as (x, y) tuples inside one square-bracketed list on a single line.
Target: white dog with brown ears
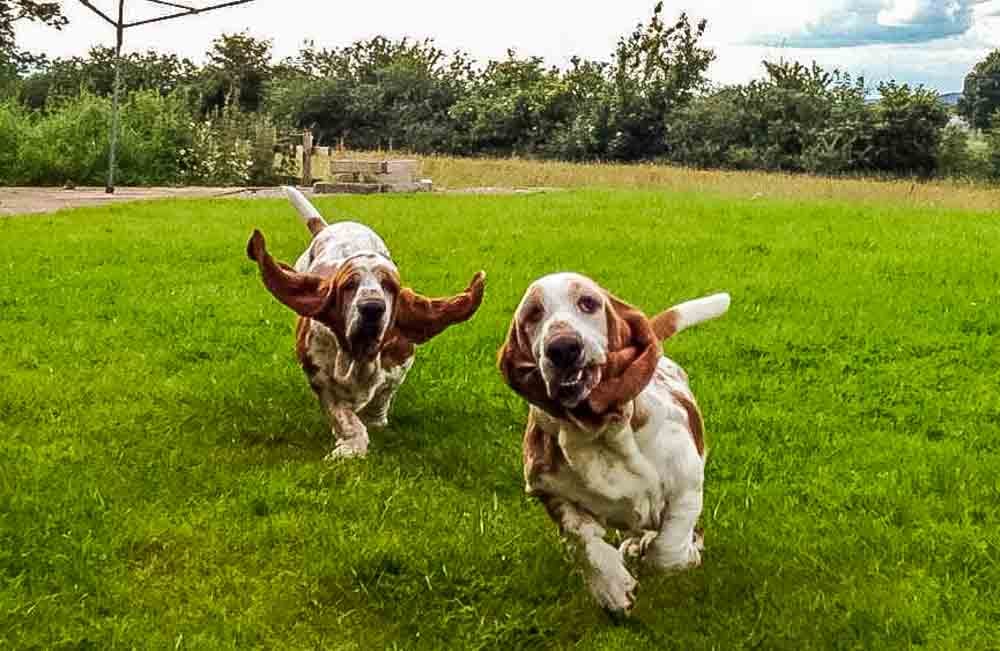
[(614, 436), (358, 326)]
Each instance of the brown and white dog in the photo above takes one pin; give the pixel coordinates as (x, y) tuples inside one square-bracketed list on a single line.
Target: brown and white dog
[(614, 436), (357, 325)]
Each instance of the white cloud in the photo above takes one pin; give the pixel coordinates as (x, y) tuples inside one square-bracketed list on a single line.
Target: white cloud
[(866, 22)]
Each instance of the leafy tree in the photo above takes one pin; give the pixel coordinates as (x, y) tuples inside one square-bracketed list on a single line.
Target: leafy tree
[(907, 131), (796, 118), (14, 11), (513, 106), (993, 146), (373, 92), (238, 65), (64, 78), (981, 94), (655, 70)]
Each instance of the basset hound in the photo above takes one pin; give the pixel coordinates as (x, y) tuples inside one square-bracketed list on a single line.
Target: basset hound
[(614, 436), (357, 326)]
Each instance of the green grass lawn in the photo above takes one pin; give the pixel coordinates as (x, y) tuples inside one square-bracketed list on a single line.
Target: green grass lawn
[(161, 474)]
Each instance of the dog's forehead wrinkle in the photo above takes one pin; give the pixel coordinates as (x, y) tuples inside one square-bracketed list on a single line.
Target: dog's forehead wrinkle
[(556, 291)]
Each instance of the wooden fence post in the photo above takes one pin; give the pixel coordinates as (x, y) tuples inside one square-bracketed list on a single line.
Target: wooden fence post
[(307, 150)]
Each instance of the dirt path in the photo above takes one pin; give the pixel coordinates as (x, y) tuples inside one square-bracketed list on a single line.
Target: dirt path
[(24, 200), (16, 201)]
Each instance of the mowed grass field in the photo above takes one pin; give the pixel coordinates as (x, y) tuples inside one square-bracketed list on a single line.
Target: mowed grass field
[(161, 473)]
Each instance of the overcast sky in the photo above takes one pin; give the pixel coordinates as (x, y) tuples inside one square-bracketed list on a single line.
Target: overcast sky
[(934, 42)]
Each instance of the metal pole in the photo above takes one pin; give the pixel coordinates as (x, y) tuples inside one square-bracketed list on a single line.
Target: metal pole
[(120, 33)]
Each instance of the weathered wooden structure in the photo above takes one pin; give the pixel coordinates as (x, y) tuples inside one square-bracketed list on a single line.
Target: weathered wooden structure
[(368, 176)]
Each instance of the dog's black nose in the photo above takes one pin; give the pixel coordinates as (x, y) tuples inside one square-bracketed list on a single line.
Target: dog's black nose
[(371, 310), (564, 351)]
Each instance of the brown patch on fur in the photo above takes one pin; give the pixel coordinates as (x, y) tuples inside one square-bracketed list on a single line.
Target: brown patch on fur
[(315, 226), (540, 450), (396, 350), (302, 327), (308, 364), (695, 424), (665, 324), (640, 416)]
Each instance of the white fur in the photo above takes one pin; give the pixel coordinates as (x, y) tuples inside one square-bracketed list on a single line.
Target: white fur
[(306, 210), (701, 309)]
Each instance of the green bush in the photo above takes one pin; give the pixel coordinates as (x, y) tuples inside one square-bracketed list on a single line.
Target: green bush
[(907, 130), (13, 121), (160, 143), (67, 145), (959, 158), (154, 130)]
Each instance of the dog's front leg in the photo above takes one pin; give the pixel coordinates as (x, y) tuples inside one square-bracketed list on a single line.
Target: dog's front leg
[(678, 546), (604, 570), (350, 432)]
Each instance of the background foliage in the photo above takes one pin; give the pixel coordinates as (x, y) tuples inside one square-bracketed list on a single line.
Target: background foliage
[(650, 101)]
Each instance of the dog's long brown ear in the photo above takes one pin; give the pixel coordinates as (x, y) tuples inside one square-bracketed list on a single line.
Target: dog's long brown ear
[(302, 292), (419, 319), (520, 369), (633, 353)]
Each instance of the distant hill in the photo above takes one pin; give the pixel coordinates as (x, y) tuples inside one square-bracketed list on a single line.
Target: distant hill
[(951, 99)]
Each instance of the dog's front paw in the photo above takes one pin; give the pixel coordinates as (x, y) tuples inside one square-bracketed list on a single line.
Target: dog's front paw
[(677, 560), (610, 582), (636, 546), (379, 422), (347, 450)]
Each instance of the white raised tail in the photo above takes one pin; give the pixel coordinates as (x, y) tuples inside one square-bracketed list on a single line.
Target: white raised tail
[(313, 220), (680, 317)]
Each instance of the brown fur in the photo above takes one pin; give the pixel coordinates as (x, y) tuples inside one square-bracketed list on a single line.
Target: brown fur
[(416, 318), (633, 353), (640, 416), (419, 318), (306, 294), (396, 350), (695, 423), (315, 226), (520, 370), (302, 326), (664, 324), (541, 450)]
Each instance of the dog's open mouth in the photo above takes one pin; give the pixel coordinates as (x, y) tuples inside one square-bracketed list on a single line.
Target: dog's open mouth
[(575, 385), (365, 339)]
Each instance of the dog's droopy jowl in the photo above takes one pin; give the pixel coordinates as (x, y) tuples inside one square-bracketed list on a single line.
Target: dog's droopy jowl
[(614, 435), (358, 325)]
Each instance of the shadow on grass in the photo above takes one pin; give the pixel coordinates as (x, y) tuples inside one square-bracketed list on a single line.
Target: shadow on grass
[(450, 443)]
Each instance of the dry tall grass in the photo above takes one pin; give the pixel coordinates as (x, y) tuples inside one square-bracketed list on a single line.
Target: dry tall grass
[(452, 173)]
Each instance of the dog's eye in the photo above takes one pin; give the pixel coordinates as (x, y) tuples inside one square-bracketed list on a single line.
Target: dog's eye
[(588, 304), (350, 284)]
